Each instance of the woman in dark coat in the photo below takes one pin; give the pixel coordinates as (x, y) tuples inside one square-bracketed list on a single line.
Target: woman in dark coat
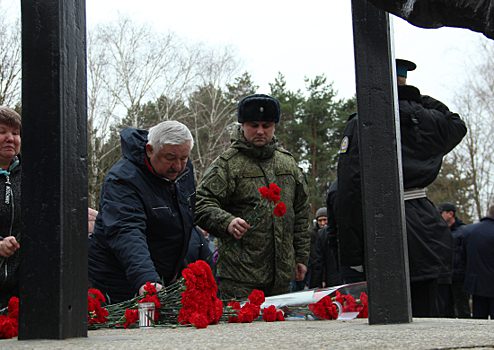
[(10, 203)]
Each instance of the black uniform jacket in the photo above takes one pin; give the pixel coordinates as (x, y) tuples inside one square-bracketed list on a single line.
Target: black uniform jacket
[(428, 132)]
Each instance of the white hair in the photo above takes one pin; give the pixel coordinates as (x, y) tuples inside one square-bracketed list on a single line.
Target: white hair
[(169, 132)]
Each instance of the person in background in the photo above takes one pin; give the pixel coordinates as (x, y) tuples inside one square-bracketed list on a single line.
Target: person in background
[(326, 270), (262, 255), (199, 248), (146, 212), (321, 220), (429, 130), (10, 203), (479, 269), (453, 301)]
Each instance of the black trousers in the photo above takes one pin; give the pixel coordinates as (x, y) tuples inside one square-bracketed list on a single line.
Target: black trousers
[(461, 300), (482, 307), (453, 301), (445, 300), (424, 298)]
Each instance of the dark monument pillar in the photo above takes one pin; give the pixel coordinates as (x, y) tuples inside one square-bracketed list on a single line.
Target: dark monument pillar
[(54, 184), (380, 164)]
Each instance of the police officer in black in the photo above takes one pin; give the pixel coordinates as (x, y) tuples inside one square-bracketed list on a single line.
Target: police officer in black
[(429, 130)]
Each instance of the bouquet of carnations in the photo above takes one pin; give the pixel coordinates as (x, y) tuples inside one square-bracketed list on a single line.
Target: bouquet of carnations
[(191, 300), (342, 302)]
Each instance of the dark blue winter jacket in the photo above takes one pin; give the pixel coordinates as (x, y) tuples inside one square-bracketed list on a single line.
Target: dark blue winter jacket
[(478, 249), (144, 223)]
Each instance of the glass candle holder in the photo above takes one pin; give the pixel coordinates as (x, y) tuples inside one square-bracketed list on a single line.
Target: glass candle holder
[(146, 315)]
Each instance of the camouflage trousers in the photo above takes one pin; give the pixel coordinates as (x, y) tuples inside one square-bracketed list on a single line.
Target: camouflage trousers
[(235, 290)]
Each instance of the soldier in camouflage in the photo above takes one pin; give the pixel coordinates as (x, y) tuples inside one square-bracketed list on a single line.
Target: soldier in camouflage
[(268, 254)]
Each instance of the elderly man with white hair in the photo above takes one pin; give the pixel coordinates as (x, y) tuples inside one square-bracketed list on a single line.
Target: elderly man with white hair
[(146, 212)]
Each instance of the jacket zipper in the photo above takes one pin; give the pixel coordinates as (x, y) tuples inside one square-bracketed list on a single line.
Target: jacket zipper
[(9, 199)]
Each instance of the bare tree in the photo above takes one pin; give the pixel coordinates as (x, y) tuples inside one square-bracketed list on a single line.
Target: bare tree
[(101, 115), (211, 113), (130, 66), (10, 62), (475, 104)]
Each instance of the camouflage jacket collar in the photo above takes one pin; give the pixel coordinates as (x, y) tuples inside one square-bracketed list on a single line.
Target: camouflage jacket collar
[(265, 152)]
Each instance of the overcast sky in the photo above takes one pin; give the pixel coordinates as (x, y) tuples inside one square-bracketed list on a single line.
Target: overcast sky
[(272, 36), (298, 40)]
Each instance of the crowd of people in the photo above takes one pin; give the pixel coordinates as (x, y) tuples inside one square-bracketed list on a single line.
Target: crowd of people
[(153, 219)]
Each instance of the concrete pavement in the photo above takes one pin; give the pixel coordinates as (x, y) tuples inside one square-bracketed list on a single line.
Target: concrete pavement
[(355, 334)]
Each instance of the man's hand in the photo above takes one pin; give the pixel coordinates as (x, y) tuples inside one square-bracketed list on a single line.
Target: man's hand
[(8, 246), (300, 271), (238, 227), (91, 218), (157, 285)]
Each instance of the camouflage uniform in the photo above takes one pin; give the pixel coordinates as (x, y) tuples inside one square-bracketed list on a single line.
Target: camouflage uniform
[(266, 256)]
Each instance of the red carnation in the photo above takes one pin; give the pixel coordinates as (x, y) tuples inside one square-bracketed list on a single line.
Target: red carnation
[(248, 313), (280, 209), (200, 305), (271, 193), (275, 192), (235, 305), (218, 308), (269, 314), (8, 327), (324, 309), (131, 317), (96, 294), (13, 308), (150, 288), (198, 320), (264, 191), (256, 297), (350, 304), (280, 316), (96, 313), (364, 306)]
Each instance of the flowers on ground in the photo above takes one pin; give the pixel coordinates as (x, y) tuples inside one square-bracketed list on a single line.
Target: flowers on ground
[(250, 311), (95, 312), (327, 308), (200, 305), (131, 317), (272, 314), (193, 301), (9, 324)]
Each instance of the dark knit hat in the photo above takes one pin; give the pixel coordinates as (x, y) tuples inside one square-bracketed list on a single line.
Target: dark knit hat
[(446, 207), (403, 66), (321, 212), (258, 107)]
